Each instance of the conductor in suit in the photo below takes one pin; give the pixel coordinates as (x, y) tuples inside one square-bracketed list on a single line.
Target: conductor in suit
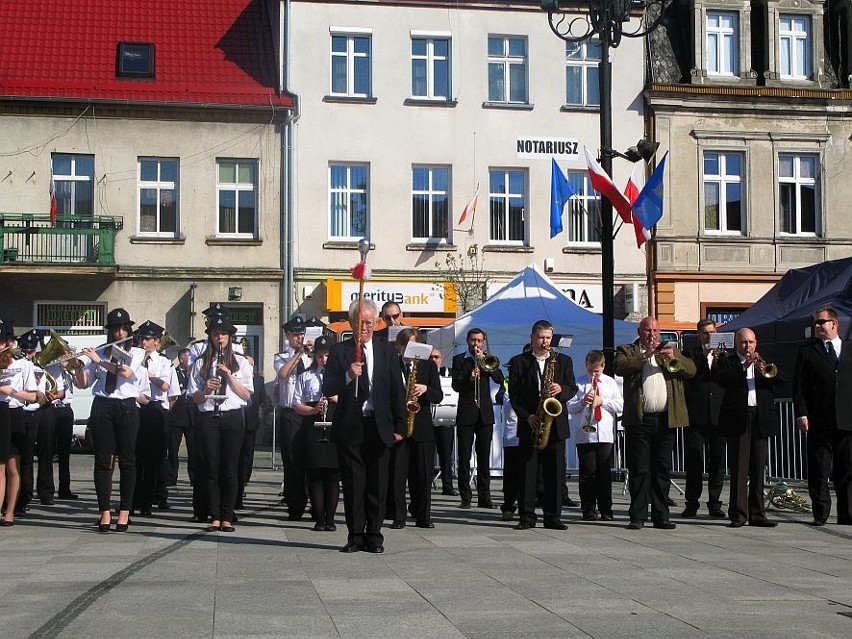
[(536, 374), (474, 418), (748, 418), (822, 395), (370, 417), (703, 401)]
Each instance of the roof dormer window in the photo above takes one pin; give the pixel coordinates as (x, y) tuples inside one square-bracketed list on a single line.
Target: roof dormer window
[(135, 60)]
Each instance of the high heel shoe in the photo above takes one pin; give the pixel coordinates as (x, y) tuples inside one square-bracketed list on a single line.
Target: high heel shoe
[(104, 528), (122, 527)]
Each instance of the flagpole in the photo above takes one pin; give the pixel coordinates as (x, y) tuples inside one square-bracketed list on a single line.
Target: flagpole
[(607, 237)]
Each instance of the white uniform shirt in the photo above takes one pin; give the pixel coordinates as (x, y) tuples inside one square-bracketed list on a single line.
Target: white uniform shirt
[(613, 404), (286, 387), (308, 387), (125, 387), (510, 423), (41, 385), (161, 368), (23, 379), (197, 348), (198, 380)]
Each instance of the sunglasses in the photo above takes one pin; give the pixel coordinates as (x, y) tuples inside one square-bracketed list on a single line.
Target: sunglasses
[(392, 317), (820, 322)]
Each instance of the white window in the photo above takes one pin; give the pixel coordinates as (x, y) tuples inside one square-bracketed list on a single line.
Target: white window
[(158, 196), (794, 47), (430, 68), (507, 199), (351, 73), (723, 49), (430, 202), (798, 193), (348, 192), (507, 69), (74, 179), (583, 210), (582, 80), (236, 188), (723, 192)]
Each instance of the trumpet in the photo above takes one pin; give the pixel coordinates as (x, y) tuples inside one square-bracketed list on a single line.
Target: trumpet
[(767, 370), (589, 425)]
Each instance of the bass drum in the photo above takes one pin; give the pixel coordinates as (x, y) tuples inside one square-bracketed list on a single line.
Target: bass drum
[(444, 414)]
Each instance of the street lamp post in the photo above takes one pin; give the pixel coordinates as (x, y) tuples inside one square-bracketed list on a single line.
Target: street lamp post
[(606, 20)]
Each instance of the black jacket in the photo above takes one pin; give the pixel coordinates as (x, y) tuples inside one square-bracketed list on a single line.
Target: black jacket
[(525, 395), (703, 395), (427, 373), (468, 412), (821, 393), (731, 375)]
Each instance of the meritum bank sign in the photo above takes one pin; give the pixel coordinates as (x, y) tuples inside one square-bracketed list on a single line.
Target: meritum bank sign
[(537, 148)]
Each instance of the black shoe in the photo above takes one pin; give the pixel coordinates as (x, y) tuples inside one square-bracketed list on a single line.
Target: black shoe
[(294, 517), (6, 523), (195, 519), (227, 529), (670, 502), (48, 501), (398, 524), (425, 523), (68, 496), (763, 523), (122, 527), (606, 516), (555, 525), (524, 525), (465, 505), (450, 492), (590, 517), (330, 527), (736, 524), (145, 512), (352, 546), (375, 548), (319, 527), (689, 512), (569, 503), (817, 522), (665, 525), (717, 513), (104, 528), (635, 524), (485, 504)]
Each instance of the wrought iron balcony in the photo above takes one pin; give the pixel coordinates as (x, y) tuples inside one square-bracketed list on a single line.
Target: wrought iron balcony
[(27, 238)]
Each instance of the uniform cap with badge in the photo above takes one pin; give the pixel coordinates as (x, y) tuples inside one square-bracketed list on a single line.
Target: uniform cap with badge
[(216, 309), (295, 326), (221, 324), (118, 317), (150, 329)]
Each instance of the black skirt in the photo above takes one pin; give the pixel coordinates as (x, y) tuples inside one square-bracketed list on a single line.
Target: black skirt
[(321, 454)]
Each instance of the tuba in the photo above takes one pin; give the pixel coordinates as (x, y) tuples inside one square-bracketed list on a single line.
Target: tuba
[(783, 498), (548, 406), (166, 342), (411, 403)]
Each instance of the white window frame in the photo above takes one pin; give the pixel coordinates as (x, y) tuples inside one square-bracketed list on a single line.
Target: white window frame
[(504, 198), (237, 188), (432, 60), (795, 46), (350, 56), (431, 193), (798, 183), (723, 40), (582, 211), (347, 191), (159, 185), (67, 183), (722, 180), (508, 62), (587, 65)]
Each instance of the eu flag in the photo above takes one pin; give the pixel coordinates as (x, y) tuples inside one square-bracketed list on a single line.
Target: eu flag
[(560, 192), (648, 207)]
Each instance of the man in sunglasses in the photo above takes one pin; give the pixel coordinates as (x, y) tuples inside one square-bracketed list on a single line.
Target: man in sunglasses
[(391, 315), (822, 395)]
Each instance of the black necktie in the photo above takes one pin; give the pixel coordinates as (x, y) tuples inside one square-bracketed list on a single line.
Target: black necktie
[(111, 380), (832, 354)]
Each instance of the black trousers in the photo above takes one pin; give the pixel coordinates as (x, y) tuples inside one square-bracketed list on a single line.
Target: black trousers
[(595, 477), (221, 439), (45, 446), (64, 436), (511, 478), (114, 428), (27, 463), (444, 443), (294, 453), (246, 463), (748, 465), (648, 449), (179, 427), (364, 473), (702, 443), (551, 460), (482, 433), (151, 445), (395, 507), (830, 455), (420, 457)]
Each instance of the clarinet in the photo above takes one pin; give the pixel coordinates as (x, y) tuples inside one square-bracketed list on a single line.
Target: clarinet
[(217, 410)]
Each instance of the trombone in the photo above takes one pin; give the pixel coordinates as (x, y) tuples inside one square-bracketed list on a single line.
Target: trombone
[(485, 361)]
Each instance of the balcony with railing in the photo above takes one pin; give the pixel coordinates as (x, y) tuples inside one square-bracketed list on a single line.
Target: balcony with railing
[(27, 238)]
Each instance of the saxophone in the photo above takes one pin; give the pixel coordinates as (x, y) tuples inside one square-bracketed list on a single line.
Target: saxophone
[(411, 403), (548, 406)]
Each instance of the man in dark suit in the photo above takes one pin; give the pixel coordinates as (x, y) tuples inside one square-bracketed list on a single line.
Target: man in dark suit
[(748, 417), (822, 394), (370, 417), (528, 372), (701, 441), (474, 418)]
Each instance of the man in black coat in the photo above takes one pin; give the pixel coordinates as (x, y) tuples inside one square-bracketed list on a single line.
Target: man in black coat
[(474, 418), (527, 374), (748, 417), (370, 417), (822, 395), (701, 440)]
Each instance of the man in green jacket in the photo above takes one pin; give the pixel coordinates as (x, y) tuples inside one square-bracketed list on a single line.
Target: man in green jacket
[(654, 405)]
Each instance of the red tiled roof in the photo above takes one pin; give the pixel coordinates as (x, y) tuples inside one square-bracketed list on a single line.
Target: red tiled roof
[(207, 52)]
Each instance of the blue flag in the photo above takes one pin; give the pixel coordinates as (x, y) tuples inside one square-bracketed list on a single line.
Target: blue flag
[(648, 207), (560, 192)]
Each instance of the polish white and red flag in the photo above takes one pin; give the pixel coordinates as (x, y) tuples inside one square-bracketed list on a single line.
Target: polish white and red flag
[(470, 209), (603, 184), (631, 192), (52, 200)]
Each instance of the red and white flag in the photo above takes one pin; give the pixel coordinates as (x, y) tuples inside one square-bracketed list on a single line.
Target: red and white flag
[(52, 200), (471, 207), (604, 185), (631, 192)]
